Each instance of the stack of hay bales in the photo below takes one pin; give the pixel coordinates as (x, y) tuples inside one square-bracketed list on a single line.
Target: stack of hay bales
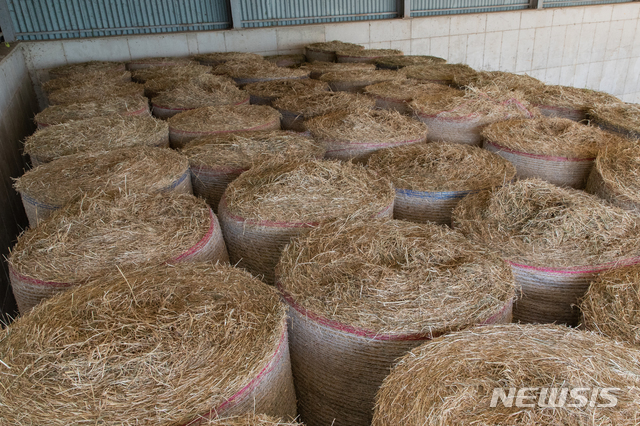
[(275, 201), (254, 71), (97, 234), (438, 73), (326, 51), (363, 293), (356, 133), (287, 61), (297, 110), (365, 55), (198, 92), (317, 69), (355, 81), (567, 102), (94, 135), (48, 187), (94, 92), (192, 124), (397, 62), (144, 63), (162, 345), (620, 118), (556, 240), (557, 150), (513, 375), (264, 93), (216, 161), (218, 58), (398, 94), (87, 68), (430, 179)]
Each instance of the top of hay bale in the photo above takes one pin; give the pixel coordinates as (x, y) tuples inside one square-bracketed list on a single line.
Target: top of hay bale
[(318, 68), (441, 167), (258, 69), (86, 67), (245, 149), (437, 72), (453, 379), (396, 62), (364, 76), (223, 118), (497, 80), (394, 277), (368, 53), (308, 191), (156, 86), (332, 46), (323, 103), (618, 115), (549, 136), (94, 92), (569, 97), (251, 420), (536, 223), (366, 126), (59, 114), (81, 79), (217, 58), (619, 166), (202, 91), (94, 135), (131, 170), (159, 345), (286, 60), (89, 237), (165, 61), (185, 71), (611, 304), (280, 88), (406, 90)]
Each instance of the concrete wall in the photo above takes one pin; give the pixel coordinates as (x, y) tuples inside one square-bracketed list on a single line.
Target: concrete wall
[(594, 46), (17, 107)]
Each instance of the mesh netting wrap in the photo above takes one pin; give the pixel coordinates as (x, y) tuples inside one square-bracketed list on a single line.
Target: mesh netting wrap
[(620, 118), (365, 55), (424, 206), (574, 114)]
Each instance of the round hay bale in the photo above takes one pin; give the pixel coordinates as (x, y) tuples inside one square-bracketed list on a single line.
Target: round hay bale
[(365, 55), (275, 201), (48, 187), (317, 69), (217, 160), (497, 80), (265, 92), (511, 375), (438, 73), (252, 72), (84, 78), (286, 61), (356, 134), (184, 71), (218, 58), (251, 420), (86, 67), (397, 94), (620, 118), (192, 124), (95, 135), (430, 179), (156, 86), (567, 102), (397, 62), (94, 93), (60, 114), (355, 81), (458, 117), (204, 91), (557, 150), (157, 62), (296, 110), (157, 345), (361, 294), (615, 176), (95, 235), (326, 51), (555, 239)]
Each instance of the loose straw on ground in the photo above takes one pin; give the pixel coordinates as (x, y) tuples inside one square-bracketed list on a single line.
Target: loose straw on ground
[(265, 92), (397, 62), (568, 102), (621, 118), (356, 81), (94, 92), (326, 51), (86, 67), (396, 95), (365, 55)]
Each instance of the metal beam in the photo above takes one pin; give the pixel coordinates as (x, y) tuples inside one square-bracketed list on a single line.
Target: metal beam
[(8, 31), (236, 14), (406, 10), (536, 4)]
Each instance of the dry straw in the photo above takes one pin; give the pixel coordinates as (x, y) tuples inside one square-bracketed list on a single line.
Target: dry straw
[(287, 61), (452, 380), (253, 72), (182, 71), (203, 91), (317, 69), (397, 62), (568, 102), (84, 78), (296, 109), (326, 51), (438, 73), (218, 58), (156, 86), (497, 80), (157, 345), (127, 170), (95, 135), (265, 92), (157, 62), (355, 81), (60, 114), (365, 55), (621, 118), (251, 420), (87, 239), (86, 67), (188, 125), (430, 179), (275, 201), (363, 293), (557, 150), (217, 160), (355, 134), (396, 95), (94, 92), (556, 239)]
